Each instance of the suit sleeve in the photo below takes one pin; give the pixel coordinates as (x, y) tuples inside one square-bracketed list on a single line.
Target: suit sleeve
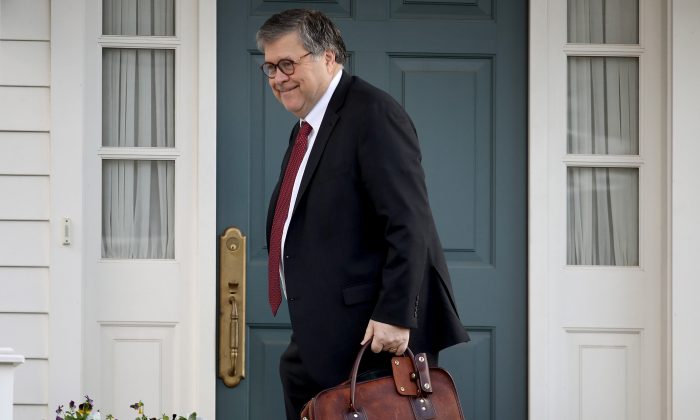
[(391, 172)]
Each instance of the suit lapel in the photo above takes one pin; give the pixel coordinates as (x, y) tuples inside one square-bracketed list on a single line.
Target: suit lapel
[(330, 118)]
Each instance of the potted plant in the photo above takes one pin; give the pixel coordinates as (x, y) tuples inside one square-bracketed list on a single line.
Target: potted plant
[(85, 411)]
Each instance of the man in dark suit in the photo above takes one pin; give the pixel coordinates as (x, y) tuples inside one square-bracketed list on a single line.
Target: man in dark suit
[(353, 245)]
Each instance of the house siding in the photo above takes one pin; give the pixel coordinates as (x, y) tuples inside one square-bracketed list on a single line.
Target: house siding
[(24, 198)]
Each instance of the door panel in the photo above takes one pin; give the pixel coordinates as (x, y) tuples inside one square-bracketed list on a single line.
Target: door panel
[(449, 99), (460, 74)]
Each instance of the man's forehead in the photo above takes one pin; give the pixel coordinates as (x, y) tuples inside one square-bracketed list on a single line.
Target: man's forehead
[(286, 46)]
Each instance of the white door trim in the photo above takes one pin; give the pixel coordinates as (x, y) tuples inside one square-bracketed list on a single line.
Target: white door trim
[(67, 162), (205, 265)]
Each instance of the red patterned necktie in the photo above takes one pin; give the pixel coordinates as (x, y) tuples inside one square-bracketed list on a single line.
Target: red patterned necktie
[(281, 212)]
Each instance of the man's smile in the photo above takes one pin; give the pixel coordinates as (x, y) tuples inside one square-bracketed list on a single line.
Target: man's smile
[(282, 89)]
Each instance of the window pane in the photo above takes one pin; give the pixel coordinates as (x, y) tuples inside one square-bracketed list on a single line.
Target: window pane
[(138, 17), (603, 114), (603, 21), (138, 97), (603, 216), (138, 207)]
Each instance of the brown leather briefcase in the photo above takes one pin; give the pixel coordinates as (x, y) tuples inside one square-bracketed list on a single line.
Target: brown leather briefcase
[(414, 391)]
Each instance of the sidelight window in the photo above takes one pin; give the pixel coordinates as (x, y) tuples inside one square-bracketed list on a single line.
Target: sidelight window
[(603, 145), (138, 151)]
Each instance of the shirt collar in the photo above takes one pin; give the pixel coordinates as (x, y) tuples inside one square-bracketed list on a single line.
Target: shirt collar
[(319, 110)]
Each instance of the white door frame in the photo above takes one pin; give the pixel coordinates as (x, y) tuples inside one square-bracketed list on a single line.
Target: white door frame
[(681, 343), (68, 157)]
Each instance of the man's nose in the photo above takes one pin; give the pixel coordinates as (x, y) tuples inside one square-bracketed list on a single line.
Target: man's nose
[(280, 76)]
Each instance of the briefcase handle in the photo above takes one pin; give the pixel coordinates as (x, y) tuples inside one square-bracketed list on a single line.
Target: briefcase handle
[(420, 367)]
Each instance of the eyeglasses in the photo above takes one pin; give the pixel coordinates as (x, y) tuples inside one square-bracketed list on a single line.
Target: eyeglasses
[(285, 65)]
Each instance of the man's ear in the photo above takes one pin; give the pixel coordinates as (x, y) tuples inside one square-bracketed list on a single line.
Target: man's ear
[(329, 59)]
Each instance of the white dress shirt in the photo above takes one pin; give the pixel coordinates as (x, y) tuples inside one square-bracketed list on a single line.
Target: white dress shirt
[(314, 119)]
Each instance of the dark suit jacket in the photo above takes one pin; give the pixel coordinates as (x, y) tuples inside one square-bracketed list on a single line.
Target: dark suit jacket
[(362, 243)]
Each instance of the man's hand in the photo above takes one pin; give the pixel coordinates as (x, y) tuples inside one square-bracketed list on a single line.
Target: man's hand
[(386, 337)]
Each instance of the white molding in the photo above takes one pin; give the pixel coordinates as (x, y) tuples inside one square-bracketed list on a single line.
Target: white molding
[(66, 262), (158, 42), (148, 153), (685, 229), (205, 265), (597, 50), (603, 161)]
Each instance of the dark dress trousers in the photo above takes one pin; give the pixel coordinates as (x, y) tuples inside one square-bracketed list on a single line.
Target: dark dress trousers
[(361, 241)]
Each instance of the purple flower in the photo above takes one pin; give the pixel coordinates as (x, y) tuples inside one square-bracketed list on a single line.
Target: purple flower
[(71, 405), (59, 410)]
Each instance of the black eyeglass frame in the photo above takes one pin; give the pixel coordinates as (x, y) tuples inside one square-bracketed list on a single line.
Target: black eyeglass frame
[(278, 66)]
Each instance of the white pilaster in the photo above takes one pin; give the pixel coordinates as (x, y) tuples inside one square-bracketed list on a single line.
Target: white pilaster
[(8, 361), (685, 207)]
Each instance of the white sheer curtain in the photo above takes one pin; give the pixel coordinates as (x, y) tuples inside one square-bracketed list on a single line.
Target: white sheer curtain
[(138, 88), (603, 106), (138, 17), (138, 209), (603, 216), (603, 119), (603, 21), (138, 107)]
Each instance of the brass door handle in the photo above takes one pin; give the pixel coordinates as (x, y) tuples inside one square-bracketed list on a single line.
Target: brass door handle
[(232, 280)]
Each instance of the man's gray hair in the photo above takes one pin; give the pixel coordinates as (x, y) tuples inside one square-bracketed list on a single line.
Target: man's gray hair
[(316, 32)]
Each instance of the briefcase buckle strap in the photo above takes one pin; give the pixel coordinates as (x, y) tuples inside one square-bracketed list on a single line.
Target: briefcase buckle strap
[(421, 364)]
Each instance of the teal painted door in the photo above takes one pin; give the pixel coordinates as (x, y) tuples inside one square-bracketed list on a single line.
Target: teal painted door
[(459, 68)]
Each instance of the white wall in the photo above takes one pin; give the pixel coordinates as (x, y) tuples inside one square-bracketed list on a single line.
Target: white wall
[(24, 197), (685, 208)]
